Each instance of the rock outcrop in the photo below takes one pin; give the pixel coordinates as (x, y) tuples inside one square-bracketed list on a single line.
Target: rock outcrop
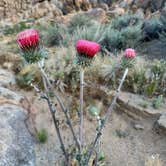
[(40, 8), (16, 143)]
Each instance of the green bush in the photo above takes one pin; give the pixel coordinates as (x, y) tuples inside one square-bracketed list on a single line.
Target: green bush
[(8, 30), (132, 36), (42, 135), (151, 29), (29, 74), (113, 40), (121, 22), (150, 79), (157, 102), (92, 33), (56, 35), (122, 32), (79, 21), (136, 81), (144, 78)]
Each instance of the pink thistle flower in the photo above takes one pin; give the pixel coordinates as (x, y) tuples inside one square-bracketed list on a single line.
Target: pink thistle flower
[(28, 39), (87, 48), (129, 53)]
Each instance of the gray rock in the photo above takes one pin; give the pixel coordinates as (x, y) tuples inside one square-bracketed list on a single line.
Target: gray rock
[(16, 144), (6, 78), (10, 97), (162, 123), (131, 104)]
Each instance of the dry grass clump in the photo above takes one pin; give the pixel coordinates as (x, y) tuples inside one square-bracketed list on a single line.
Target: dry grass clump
[(153, 160)]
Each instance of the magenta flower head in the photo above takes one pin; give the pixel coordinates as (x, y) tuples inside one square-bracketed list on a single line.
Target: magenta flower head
[(28, 41), (128, 58), (129, 53), (87, 48), (86, 51)]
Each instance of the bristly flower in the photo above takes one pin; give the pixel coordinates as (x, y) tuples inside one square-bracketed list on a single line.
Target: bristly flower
[(86, 51), (128, 58), (129, 53), (28, 41)]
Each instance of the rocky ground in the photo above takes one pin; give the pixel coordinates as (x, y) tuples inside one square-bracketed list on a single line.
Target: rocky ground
[(132, 136), (17, 10)]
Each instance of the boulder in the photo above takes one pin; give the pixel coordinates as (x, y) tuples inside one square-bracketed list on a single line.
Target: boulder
[(16, 144), (133, 105)]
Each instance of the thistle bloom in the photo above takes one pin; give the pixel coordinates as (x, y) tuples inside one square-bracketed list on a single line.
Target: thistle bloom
[(129, 53), (87, 48), (28, 39)]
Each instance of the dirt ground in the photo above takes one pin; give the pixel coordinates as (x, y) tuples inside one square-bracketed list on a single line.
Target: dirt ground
[(122, 144)]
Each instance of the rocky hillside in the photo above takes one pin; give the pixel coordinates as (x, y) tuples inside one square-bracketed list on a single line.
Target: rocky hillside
[(39, 8)]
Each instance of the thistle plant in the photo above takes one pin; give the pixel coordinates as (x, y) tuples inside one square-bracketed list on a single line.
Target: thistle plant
[(86, 51), (32, 52), (128, 59), (28, 41)]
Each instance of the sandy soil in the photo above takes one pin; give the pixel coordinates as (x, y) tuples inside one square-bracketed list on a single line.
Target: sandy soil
[(121, 142)]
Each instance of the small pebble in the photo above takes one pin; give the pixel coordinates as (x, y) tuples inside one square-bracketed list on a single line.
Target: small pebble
[(138, 127)]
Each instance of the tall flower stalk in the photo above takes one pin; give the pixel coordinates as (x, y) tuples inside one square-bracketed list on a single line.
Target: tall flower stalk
[(28, 41), (86, 51), (81, 107)]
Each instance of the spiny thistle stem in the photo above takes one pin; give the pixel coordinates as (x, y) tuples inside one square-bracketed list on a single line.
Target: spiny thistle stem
[(81, 107), (56, 122), (110, 109), (65, 110)]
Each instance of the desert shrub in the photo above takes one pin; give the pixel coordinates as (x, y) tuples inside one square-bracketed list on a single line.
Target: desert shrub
[(144, 78), (117, 40), (7, 30), (136, 81), (55, 35), (42, 135), (132, 36), (163, 16), (144, 104), (153, 160), (92, 33), (151, 88), (151, 29), (66, 75), (28, 74), (113, 40), (122, 32), (78, 21), (150, 79), (157, 102), (121, 22)]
